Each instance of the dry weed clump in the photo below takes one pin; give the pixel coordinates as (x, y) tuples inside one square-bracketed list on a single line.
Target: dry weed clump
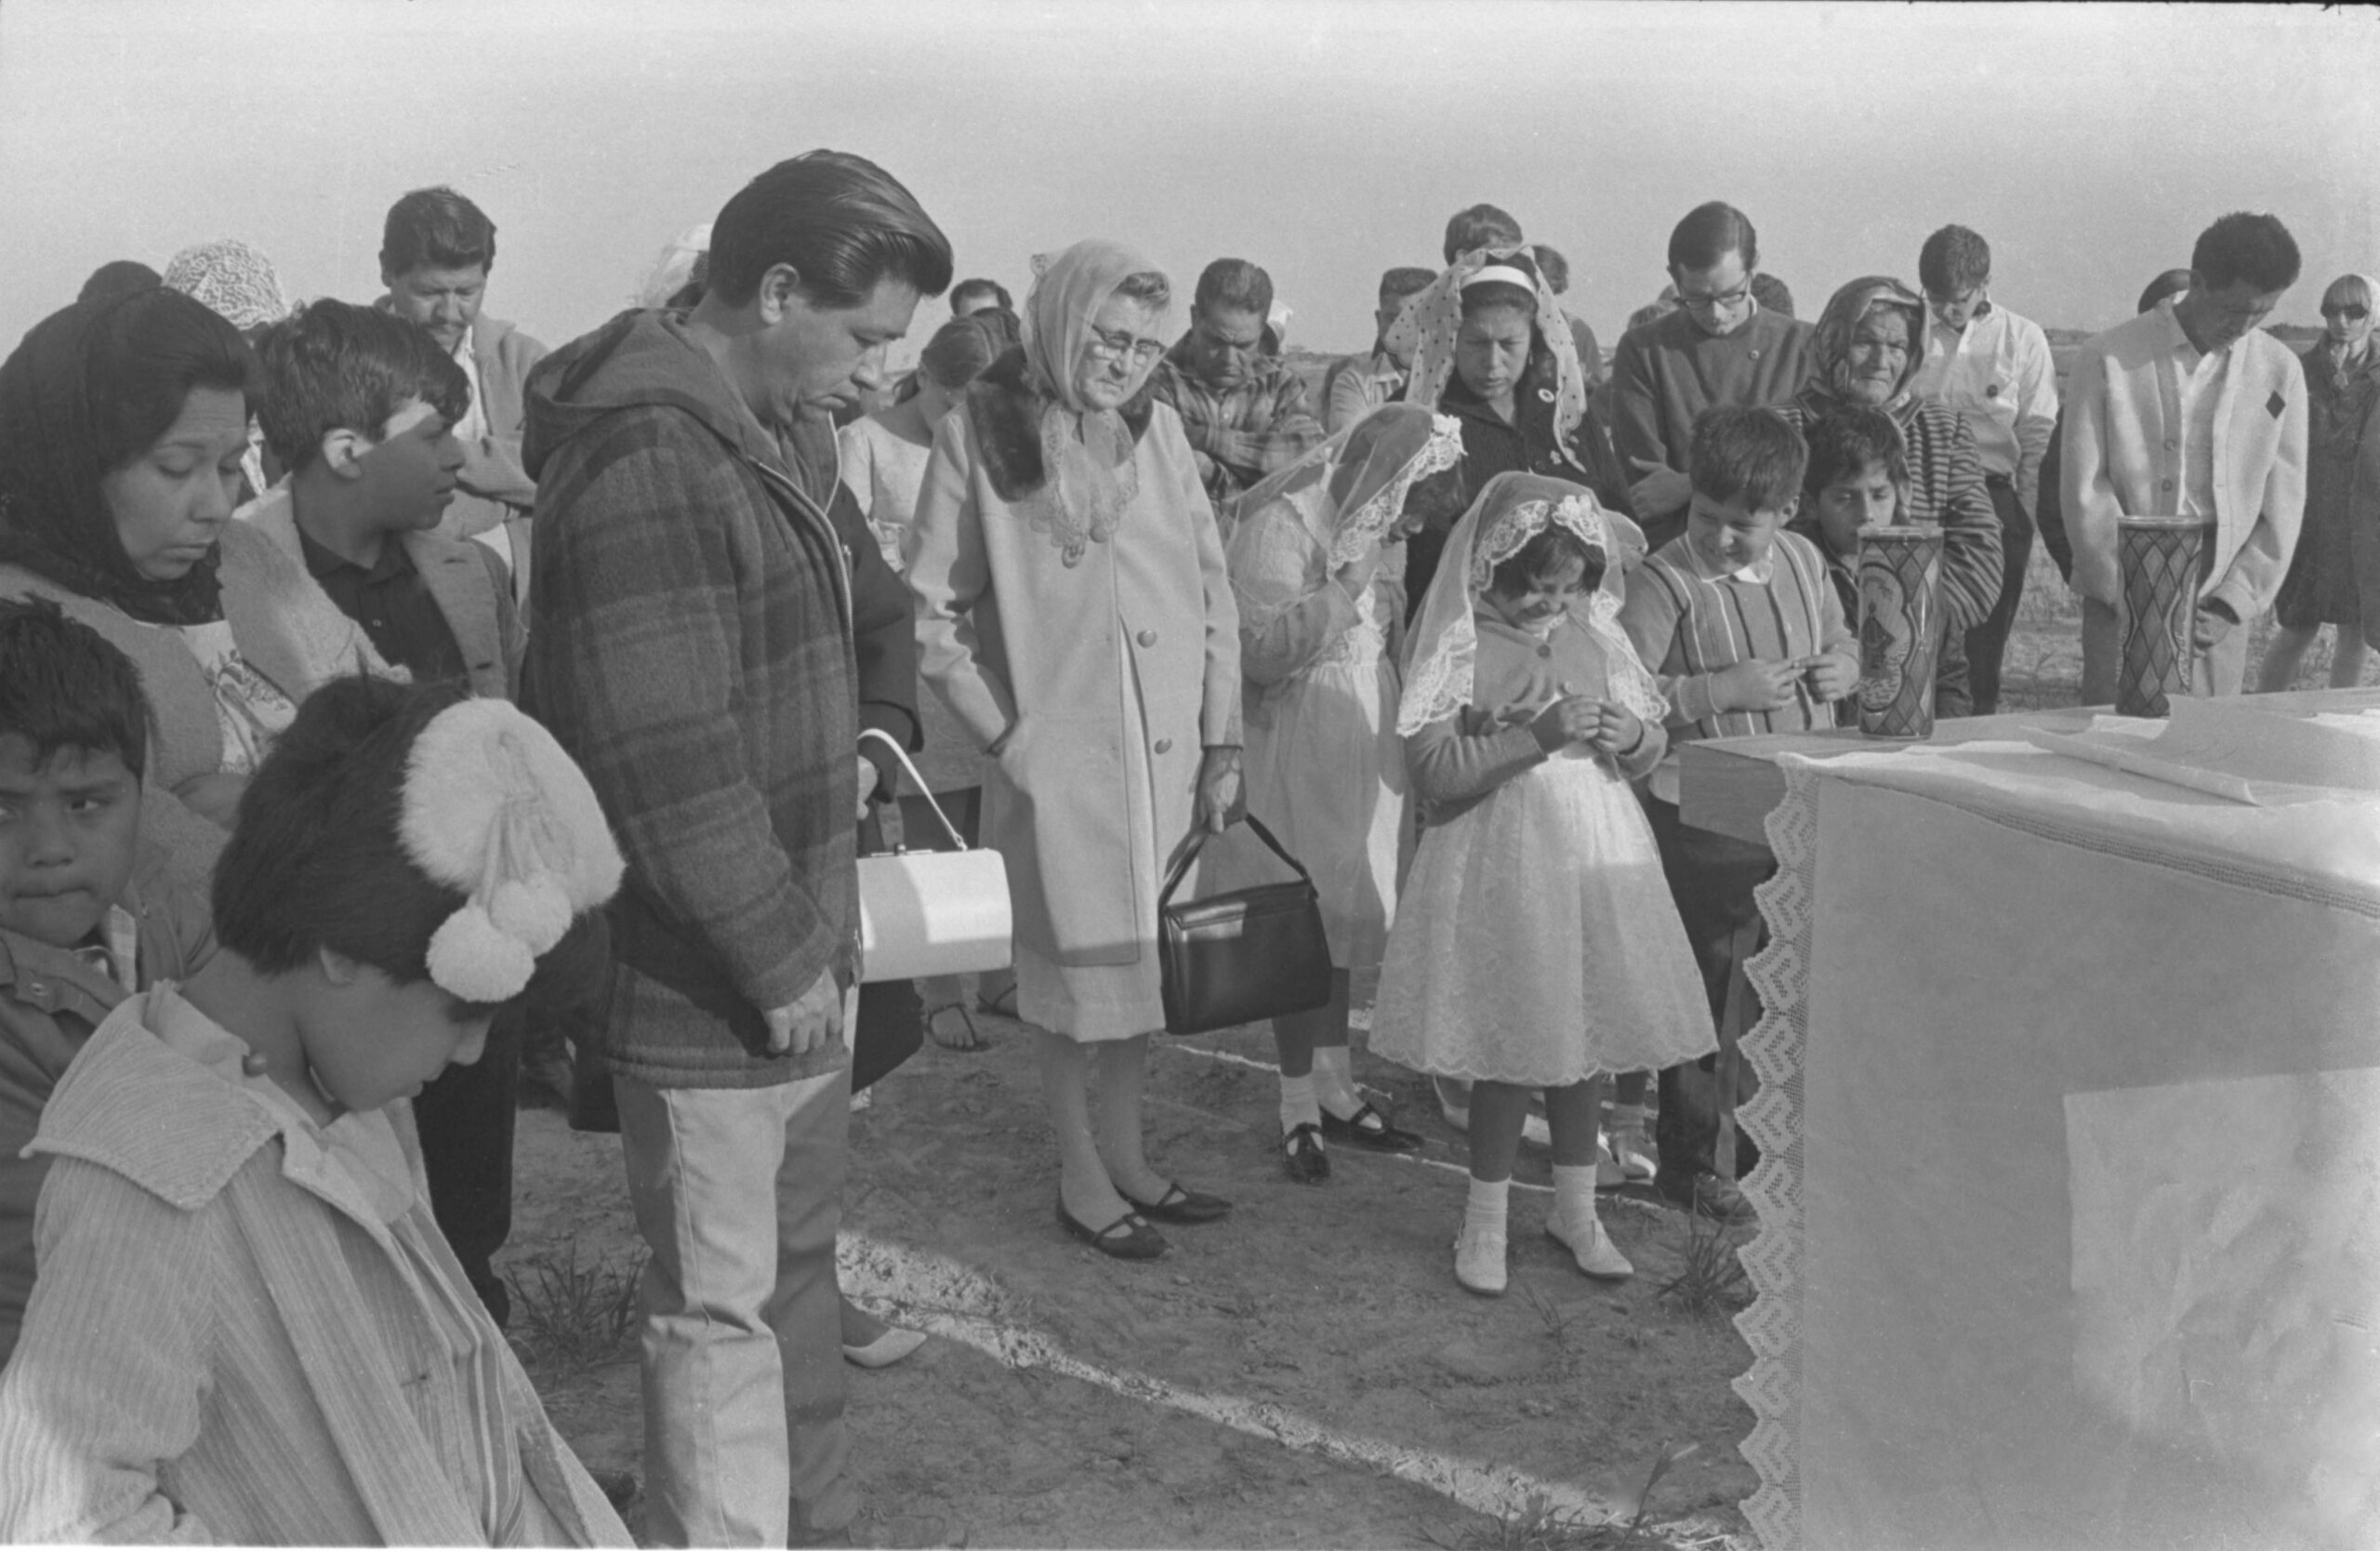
[(571, 1315)]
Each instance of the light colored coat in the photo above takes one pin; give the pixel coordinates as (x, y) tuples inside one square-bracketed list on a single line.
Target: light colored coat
[(467, 582), (2122, 458), (221, 1337), (1026, 651), (286, 627)]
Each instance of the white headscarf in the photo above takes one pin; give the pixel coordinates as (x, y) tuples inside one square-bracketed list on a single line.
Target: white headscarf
[(1086, 454), (1443, 656), (672, 271), (1424, 333), (1391, 448), (231, 277)]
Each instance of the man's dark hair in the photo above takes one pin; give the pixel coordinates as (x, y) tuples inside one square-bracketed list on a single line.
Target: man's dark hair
[(331, 366), (1751, 455), (436, 229), (1708, 234), (119, 277), (2173, 282), (1954, 259), (1553, 267), (1480, 226), (979, 287), (842, 223), (315, 860), (1848, 442), (1404, 281), (1773, 294), (1235, 283), (2257, 249), (68, 686)]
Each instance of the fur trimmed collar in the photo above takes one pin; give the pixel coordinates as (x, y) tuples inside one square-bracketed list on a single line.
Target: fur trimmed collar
[(1008, 422)]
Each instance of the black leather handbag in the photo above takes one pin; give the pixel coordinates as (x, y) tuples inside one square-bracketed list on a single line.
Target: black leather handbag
[(1236, 958)]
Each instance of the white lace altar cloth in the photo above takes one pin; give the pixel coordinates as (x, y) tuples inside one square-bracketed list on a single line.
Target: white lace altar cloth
[(2069, 1196)]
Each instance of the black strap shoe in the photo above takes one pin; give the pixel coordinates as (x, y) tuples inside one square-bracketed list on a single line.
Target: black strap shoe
[(1302, 1156)]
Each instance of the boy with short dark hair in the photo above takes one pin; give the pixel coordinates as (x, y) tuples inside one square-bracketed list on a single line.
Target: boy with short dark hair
[(360, 407), (1740, 624), (1857, 477), (86, 915)]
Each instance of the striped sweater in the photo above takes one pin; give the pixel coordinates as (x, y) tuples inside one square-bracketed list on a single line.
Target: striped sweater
[(1689, 625)]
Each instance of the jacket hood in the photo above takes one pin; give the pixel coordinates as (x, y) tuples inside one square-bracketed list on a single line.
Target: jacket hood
[(639, 358)]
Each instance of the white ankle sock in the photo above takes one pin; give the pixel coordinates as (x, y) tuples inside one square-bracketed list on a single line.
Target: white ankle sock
[(1484, 1209), (1297, 1104), (1573, 1192), (1334, 1082)]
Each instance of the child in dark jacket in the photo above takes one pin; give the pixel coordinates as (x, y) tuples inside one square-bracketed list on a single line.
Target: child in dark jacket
[(1857, 477)]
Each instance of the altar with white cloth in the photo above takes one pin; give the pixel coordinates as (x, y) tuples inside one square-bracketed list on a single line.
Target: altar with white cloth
[(2069, 1201)]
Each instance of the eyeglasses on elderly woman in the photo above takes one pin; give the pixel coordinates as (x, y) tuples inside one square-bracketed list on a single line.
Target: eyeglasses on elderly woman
[(1116, 345)]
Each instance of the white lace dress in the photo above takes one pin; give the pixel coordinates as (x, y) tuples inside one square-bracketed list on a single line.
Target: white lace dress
[(1325, 769), (1536, 942)]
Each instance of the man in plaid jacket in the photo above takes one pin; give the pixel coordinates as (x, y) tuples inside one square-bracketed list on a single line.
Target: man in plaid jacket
[(1245, 411), (695, 653)]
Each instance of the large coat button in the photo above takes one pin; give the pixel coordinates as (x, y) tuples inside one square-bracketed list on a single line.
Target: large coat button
[(1165, 745), (1146, 638)]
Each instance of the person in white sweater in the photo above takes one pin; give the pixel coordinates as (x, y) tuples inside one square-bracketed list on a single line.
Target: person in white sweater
[(2191, 410)]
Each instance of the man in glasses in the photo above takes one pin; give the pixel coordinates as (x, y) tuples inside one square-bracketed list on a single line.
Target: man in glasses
[(2192, 410), (1720, 348), (1245, 411), (1995, 368)]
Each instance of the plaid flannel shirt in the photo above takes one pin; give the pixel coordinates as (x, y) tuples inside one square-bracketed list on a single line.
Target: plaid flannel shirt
[(1245, 430)]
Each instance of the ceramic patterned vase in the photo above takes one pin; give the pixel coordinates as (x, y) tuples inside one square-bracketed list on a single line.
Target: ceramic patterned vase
[(1900, 588), (2157, 567)]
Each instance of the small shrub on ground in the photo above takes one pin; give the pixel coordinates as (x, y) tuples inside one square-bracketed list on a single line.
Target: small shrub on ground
[(571, 1314)]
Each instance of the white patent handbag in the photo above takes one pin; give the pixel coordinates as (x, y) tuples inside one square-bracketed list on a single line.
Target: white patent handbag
[(932, 912)]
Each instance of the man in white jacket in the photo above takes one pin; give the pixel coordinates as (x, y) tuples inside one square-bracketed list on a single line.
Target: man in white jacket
[(2190, 410)]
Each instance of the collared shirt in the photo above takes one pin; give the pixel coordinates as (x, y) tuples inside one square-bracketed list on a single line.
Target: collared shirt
[(1247, 430), (473, 425), (2194, 385), (1998, 374), (393, 605)]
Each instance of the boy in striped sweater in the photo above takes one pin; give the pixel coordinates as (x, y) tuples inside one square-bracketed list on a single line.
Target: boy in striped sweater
[(1737, 621)]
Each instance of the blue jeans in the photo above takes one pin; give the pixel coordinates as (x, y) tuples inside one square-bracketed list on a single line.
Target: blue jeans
[(738, 1192)]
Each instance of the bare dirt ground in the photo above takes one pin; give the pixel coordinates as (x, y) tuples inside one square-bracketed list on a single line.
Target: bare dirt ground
[(1303, 1373)]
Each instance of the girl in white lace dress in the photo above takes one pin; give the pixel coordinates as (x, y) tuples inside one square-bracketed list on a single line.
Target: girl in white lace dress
[(1317, 570), (1535, 944)]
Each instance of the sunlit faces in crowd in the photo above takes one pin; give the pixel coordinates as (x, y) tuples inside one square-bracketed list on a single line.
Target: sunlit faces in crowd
[(170, 502), (1729, 535), (1491, 348), (1955, 310), (1718, 299), (1224, 344), (446, 301), (410, 470), (813, 360), (2347, 313), (1120, 353), (417, 1030), (1878, 359), (1536, 602), (69, 831), (2216, 318), (1865, 497)]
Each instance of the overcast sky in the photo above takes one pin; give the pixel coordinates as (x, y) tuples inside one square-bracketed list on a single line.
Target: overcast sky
[(1325, 140)]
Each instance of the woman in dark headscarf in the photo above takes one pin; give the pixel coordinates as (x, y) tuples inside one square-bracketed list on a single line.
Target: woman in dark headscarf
[(1869, 343), (122, 425), (2335, 576)]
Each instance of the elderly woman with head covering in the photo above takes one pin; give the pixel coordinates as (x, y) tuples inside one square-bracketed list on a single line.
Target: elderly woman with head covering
[(1073, 613), (1316, 568), (1869, 343), (1491, 347), (121, 422), (2335, 575)]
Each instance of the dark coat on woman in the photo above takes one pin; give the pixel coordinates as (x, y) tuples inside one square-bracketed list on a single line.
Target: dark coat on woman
[(2334, 574)]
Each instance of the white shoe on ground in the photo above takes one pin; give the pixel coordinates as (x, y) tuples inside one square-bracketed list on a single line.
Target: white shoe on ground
[(1590, 1246), (886, 1349), (1479, 1261)]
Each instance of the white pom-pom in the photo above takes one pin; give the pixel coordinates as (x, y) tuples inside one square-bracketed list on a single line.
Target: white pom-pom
[(534, 909), (472, 957)]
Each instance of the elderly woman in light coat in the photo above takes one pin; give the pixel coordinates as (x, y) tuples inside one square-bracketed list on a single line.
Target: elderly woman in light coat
[(1074, 612)]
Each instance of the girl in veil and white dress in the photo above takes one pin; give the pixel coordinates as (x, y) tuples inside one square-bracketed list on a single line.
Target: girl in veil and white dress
[(1536, 945)]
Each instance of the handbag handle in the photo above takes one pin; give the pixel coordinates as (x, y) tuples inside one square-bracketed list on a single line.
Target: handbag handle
[(903, 755), (1174, 874)]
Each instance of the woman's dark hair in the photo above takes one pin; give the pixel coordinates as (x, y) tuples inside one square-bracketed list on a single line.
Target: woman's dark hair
[(2173, 282), (957, 354), (146, 355), (119, 277), (1477, 227), (67, 687), (1488, 295), (1848, 441), (2257, 249), (315, 860), (1751, 455), (843, 223), (331, 366), (1235, 283), (1708, 234), (1548, 552), (437, 229)]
